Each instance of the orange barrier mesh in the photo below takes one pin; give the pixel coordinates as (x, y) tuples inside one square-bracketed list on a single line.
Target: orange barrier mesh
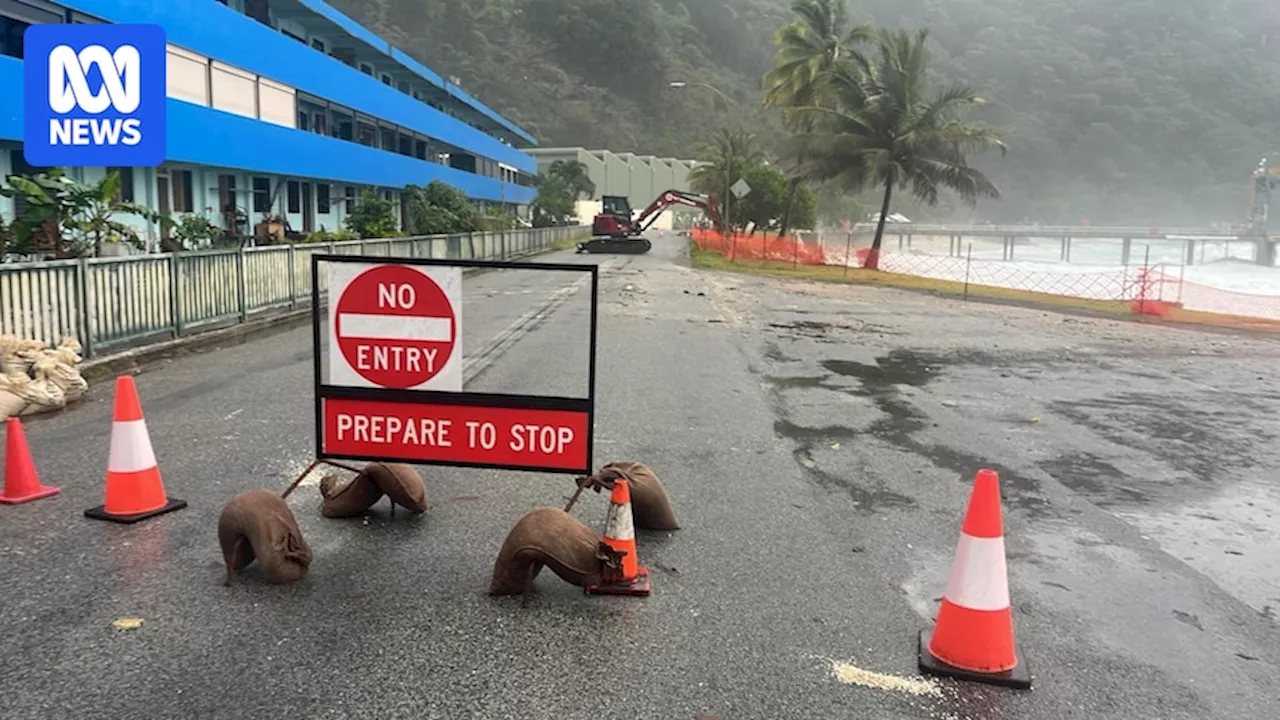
[(1156, 290)]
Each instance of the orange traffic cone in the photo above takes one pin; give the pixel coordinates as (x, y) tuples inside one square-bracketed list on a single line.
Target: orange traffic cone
[(21, 483), (973, 637), (620, 534), (134, 489)]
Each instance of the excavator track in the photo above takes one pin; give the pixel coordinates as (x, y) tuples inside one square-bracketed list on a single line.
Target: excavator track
[(620, 246)]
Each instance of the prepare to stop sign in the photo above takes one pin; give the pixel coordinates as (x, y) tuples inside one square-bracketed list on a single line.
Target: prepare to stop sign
[(395, 326)]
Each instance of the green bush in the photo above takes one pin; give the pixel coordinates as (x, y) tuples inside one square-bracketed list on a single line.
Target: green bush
[(374, 217), (326, 236)]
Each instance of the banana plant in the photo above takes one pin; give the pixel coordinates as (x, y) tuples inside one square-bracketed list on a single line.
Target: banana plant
[(73, 219)]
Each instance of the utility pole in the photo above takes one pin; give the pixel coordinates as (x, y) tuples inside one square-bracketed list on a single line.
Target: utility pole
[(728, 162)]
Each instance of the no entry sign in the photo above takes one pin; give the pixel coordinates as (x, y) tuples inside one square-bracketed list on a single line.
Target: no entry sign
[(395, 326), (394, 388)]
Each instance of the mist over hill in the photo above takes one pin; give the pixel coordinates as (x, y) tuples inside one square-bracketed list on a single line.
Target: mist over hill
[(1115, 111)]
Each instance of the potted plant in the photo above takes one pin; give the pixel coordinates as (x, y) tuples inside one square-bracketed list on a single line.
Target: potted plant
[(270, 229)]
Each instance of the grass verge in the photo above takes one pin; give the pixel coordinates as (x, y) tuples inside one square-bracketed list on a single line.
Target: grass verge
[(859, 276), (568, 243), (1119, 309)]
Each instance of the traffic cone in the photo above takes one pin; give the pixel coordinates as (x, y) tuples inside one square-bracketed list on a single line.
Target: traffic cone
[(973, 636), (631, 578), (134, 489), (21, 482)]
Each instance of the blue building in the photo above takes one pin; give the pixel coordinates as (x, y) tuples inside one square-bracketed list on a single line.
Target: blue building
[(286, 108)]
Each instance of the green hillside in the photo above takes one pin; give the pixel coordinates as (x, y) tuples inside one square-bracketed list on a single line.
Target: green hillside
[(1133, 111)]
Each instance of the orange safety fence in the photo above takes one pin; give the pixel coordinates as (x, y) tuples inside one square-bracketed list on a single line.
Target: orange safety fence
[(1159, 290), (740, 247)]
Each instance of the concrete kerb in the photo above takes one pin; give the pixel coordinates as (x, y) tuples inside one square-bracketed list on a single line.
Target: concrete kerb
[(135, 359)]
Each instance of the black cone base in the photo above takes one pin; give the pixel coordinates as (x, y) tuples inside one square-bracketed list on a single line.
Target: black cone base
[(100, 513), (1019, 678)]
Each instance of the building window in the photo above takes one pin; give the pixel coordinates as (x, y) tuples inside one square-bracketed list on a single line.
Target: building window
[(322, 198), (388, 139), (320, 125), (304, 120), (368, 135), (126, 192), (183, 192), (386, 79), (403, 87), (349, 192), (318, 44), (367, 69), (261, 195), (295, 197)]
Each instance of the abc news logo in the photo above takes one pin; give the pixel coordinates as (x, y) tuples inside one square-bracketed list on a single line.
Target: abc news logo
[(94, 95), (121, 90)]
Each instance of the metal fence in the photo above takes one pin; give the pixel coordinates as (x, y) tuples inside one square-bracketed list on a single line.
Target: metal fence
[(109, 303)]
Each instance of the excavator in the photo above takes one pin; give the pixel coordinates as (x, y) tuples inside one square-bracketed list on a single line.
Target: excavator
[(614, 230)]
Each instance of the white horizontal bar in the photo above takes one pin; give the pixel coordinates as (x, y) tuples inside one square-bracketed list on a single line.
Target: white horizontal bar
[(394, 327)]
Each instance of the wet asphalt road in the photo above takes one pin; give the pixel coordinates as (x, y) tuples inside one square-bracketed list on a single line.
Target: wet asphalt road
[(817, 442)]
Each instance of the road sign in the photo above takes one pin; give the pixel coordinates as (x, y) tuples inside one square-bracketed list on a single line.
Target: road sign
[(395, 326), (394, 390), (489, 436), (740, 188)]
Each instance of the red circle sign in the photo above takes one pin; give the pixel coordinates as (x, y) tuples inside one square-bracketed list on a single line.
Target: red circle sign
[(395, 326)]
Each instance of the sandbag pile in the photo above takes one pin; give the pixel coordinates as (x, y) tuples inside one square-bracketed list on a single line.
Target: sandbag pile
[(35, 378)]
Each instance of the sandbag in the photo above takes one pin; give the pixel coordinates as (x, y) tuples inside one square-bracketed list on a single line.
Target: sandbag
[(554, 538), (258, 524), (350, 498), (24, 355), (43, 395), (650, 507), (10, 363), (57, 369), (11, 405), (401, 483), (398, 481), (13, 398)]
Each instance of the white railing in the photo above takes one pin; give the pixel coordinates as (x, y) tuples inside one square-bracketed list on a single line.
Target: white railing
[(110, 303)]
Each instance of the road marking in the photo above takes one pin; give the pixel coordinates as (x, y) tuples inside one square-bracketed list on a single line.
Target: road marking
[(475, 364)]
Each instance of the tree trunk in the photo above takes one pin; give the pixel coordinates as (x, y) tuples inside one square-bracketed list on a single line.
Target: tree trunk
[(786, 212), (873, 257)]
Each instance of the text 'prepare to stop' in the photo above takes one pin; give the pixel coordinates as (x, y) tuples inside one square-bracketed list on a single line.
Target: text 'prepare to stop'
[(473, 434)]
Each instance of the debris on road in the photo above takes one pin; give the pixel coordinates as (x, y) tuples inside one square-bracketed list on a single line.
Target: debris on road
[(127, 623), (850, 674)]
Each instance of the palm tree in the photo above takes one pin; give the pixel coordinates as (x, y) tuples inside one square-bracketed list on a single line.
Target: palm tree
[(809, 47), (575, 175), (729, 154), (886, 128)]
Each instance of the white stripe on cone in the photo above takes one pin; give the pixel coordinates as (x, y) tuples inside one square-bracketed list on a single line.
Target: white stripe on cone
[(130, 447), (619, 525), (979, 579)]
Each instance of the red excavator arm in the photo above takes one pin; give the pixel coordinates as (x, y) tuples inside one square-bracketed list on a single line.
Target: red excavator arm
[(678, 197)]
